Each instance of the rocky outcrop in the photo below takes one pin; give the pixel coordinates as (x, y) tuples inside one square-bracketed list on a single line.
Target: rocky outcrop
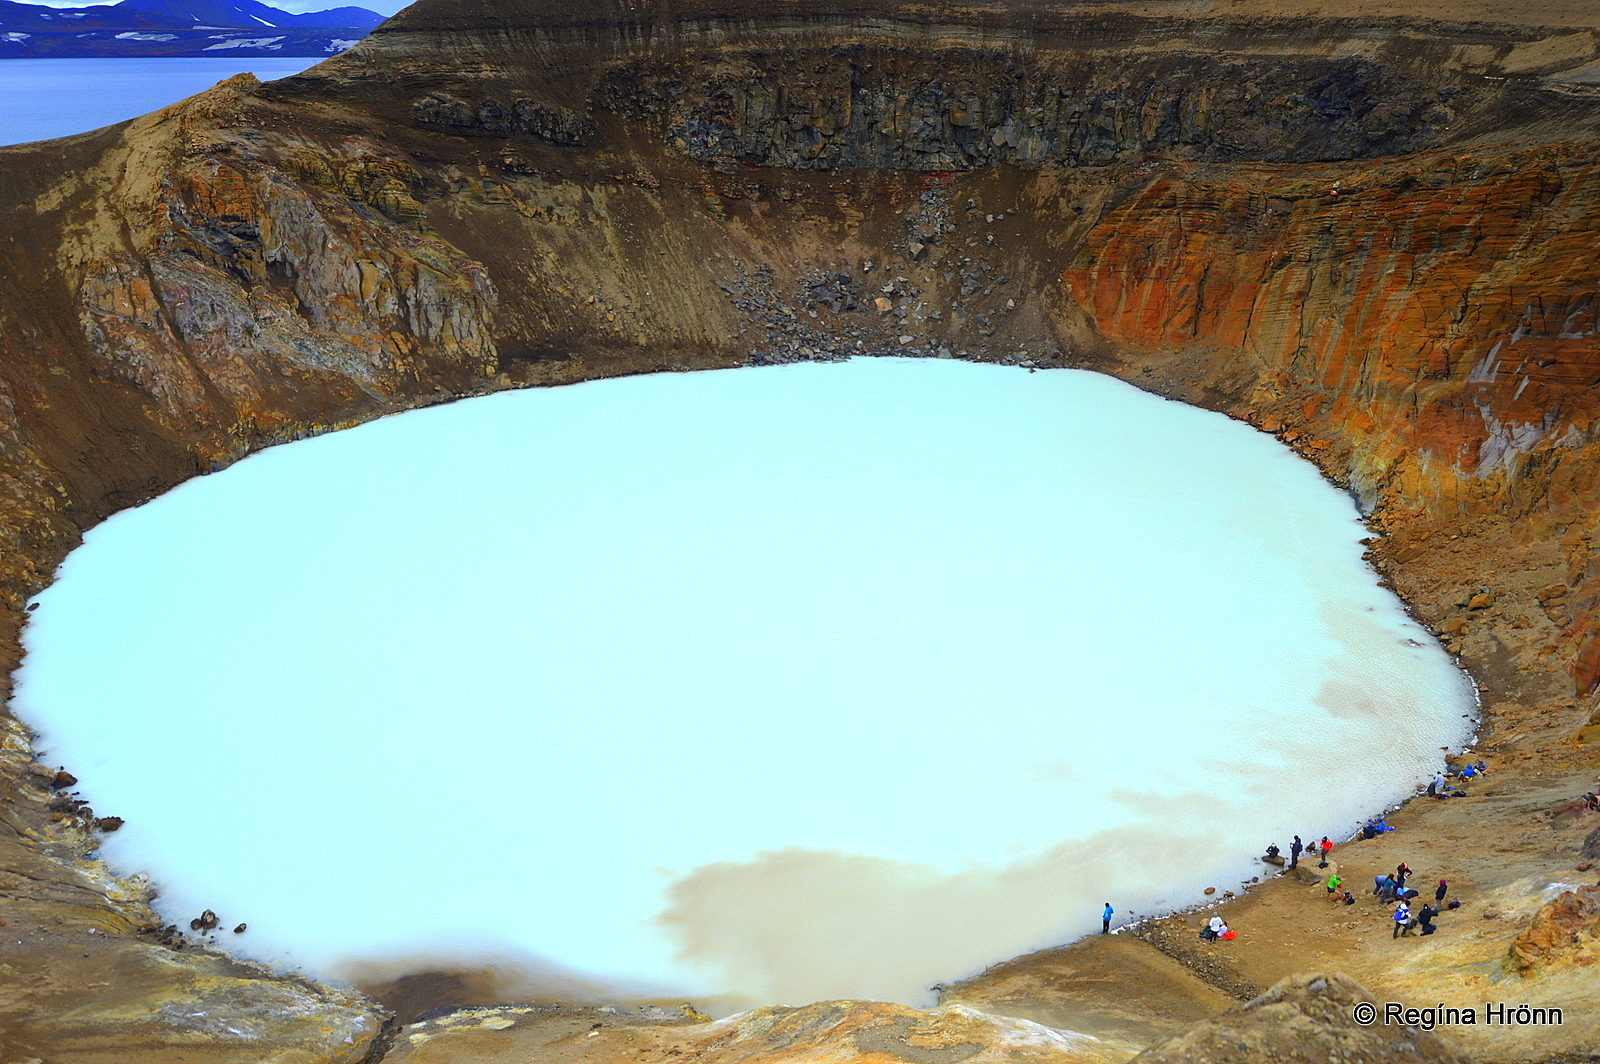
[(1310, 1018), (858, 107), (823, 1031), (1428, 284), (260, 288), (913, 88), (491, 118), (1564, 930)]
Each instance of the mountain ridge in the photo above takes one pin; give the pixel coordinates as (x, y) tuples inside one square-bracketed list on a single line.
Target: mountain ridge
[(177, 28)]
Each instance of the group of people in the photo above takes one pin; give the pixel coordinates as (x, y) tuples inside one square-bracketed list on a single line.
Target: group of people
[(1404, 922), (1391, 886), (1440, 786), (1296, 848), (1373, 828)]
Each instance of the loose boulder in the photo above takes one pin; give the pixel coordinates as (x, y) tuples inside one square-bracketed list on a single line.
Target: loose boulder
[(1562, 931)]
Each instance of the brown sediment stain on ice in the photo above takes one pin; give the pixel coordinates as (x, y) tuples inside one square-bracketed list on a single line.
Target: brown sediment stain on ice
[(801, 923)]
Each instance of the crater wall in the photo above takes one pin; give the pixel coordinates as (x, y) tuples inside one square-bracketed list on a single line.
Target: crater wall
[(1368, 229)]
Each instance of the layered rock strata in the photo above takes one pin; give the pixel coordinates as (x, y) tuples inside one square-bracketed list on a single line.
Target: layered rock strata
[(1368, 230)]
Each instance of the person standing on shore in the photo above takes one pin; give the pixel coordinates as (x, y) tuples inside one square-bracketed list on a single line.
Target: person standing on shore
[(1402, 920), (1327, 847), (1438, 895), (1105, 919), (1295, 849)]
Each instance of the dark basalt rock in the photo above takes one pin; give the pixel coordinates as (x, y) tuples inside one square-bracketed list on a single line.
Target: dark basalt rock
[(858, 108), (490, 118)]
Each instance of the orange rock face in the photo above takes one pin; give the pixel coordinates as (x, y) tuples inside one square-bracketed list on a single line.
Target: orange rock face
[(1443, 306), (1558, 931), (1434, 317)]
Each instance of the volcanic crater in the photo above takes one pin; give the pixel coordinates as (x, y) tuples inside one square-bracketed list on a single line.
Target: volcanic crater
[(1368, 228)]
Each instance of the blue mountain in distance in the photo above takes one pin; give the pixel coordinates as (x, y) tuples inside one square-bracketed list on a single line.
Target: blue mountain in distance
[(246, 14), (153, 28)]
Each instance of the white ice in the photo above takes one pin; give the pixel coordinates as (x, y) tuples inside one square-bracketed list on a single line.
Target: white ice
[(785, 684)]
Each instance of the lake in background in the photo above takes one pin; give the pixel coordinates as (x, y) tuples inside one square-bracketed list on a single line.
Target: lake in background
[(45, 98)]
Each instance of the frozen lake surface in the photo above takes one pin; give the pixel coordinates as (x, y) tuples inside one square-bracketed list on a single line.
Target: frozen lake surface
[(785, 684)]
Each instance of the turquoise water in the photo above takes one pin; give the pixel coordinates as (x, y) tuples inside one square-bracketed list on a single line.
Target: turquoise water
[(785, 684), (47, 98)]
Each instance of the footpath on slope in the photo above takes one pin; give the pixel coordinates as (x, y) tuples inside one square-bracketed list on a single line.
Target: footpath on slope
[(1504, 855)]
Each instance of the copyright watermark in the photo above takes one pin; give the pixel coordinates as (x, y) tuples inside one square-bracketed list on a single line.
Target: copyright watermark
[(1491, 1014)]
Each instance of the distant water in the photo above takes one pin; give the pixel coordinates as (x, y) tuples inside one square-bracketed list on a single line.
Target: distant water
[(46, 98), (791, 683)]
